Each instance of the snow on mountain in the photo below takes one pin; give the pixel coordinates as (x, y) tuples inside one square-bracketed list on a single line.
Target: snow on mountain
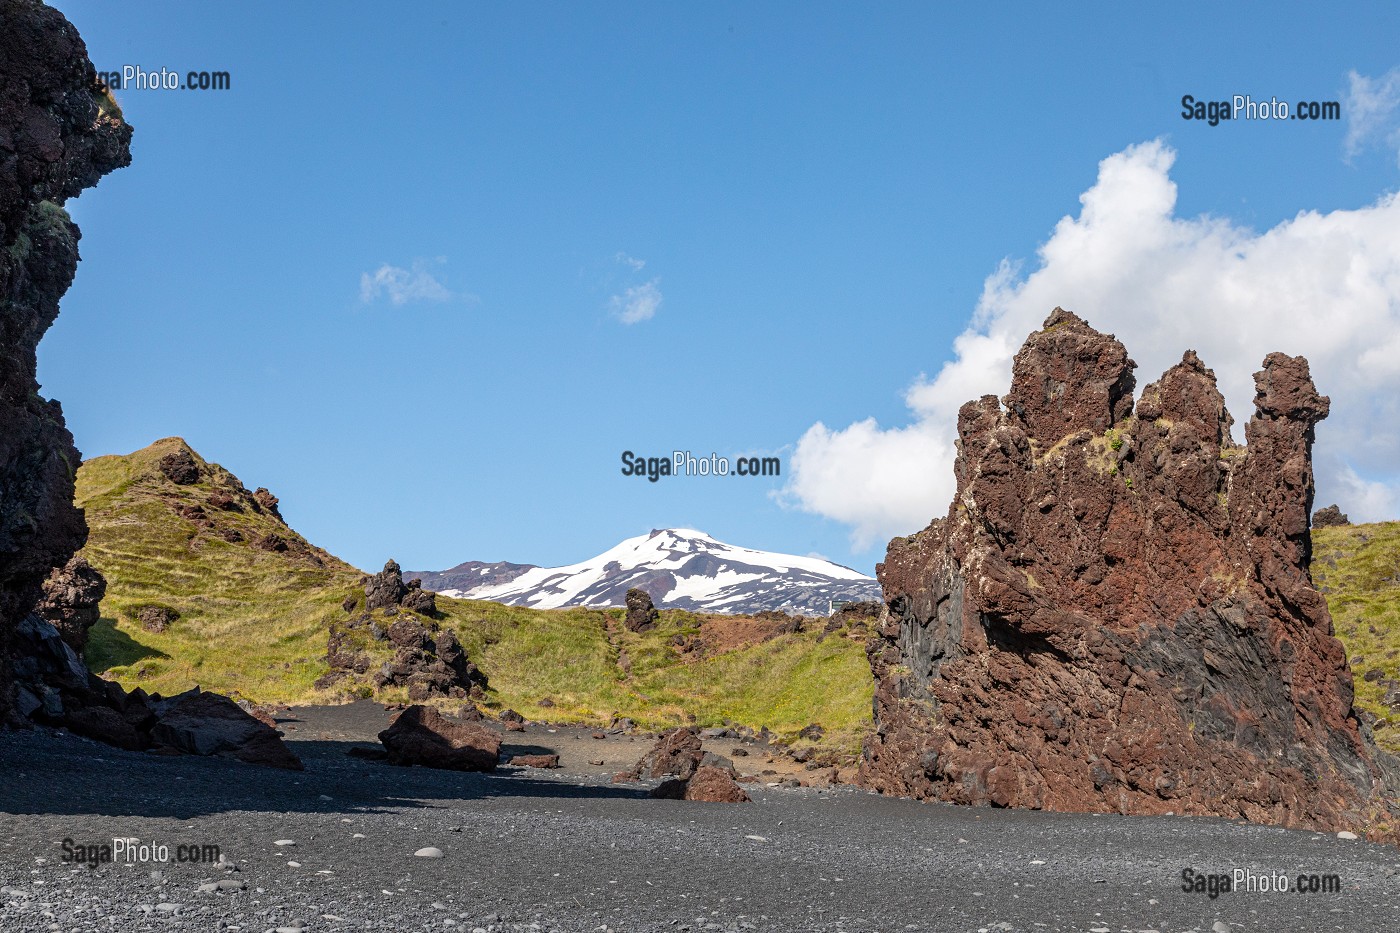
[(682, 569), (467, 577)]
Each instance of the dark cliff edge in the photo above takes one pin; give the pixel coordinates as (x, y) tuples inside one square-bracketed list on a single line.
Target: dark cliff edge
[(60, 132), (1117, 613)]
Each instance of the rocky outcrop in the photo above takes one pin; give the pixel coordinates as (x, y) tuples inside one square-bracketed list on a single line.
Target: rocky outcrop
[(199, 723), (1116, 614), (688, 772), (676, 754), (72, 595), (1330, 517), (708, 784), (53, 687), (420, 735), (641, 612), (385, 590), (59, 133), (427, 660), (268, 502), (179, 467), (535, 761)]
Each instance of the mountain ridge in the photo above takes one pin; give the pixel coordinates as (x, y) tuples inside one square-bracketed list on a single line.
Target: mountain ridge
[(680, 568)]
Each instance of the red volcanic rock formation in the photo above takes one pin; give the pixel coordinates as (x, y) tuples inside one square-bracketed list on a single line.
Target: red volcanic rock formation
[(1116, 613)]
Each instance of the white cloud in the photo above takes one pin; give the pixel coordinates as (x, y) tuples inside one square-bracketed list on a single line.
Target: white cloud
[(1372, 111), (402, 285), (1326, 286), (636, 265), (637, 303)]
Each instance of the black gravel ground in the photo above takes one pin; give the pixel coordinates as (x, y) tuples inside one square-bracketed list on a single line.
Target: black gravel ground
[(568, 851)]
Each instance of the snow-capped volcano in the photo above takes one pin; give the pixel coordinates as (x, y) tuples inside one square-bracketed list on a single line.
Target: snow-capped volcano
[(683, 569)]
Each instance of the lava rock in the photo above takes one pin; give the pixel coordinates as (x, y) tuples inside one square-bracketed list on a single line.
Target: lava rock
[(641, 613), (420, 735), (1329, 517), (200, 723), (179, 467), (156, 618), (385, 589), (706, 785), (71, 600), (676, 754), (59, 134), (534, 761), (1116, 614), (267, 502)]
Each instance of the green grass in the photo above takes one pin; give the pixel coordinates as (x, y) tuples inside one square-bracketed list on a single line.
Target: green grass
[(251, 621), (255, 623), (1358, 568)]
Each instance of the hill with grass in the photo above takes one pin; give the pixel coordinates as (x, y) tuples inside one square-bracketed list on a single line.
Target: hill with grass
[(1357, 567), (208, 585)]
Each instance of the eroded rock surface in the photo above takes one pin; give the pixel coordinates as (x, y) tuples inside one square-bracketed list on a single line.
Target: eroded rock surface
[(676, 754), (420, 735), (59, 133), (641, 612), (1116, 614), (1330, 516), (428, 660), (71, 600)]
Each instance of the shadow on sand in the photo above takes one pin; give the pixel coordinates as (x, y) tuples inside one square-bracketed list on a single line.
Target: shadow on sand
[(42, 772)]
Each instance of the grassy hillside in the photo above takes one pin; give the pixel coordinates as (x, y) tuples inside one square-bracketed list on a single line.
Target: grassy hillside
[(255, 601), (1358, 568), (250, 620)]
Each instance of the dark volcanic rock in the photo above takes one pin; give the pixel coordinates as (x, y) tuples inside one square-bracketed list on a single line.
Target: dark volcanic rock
[(105, 724), (707, 785), (72, 595), (419, 600), (1116, 614), (200, 723), (641, 613), (54, 687), (534, 761), (408, 633), (1329, 517), (156, 618), (59, 133), (676, 754), (422, 736), (273, 542), (179, 467), (385, 590), (428, 662), (267, 502)]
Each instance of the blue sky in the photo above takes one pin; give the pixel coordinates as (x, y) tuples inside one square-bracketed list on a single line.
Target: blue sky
[(425, 275)]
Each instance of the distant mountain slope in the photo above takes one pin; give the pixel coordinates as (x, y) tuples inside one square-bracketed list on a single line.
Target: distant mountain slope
[(473, 575), (683, 569)]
